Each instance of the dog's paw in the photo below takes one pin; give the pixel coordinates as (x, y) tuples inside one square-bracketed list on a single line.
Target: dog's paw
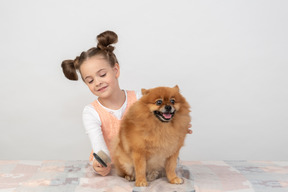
[(151, 176), (176, 180), (141, 183), (129, 178)]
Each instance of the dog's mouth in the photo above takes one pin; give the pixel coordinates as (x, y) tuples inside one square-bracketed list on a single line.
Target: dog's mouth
[(164, 117)]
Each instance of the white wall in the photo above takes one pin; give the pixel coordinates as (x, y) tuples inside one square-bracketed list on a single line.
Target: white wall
[(229, 58)]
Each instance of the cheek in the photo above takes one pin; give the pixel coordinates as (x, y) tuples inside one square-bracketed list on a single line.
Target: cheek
[(110, 79), (177, 106), (153, 107), (91, 87)]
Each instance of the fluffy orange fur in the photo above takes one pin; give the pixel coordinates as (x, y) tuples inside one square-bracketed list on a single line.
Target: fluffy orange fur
[(146, 145)]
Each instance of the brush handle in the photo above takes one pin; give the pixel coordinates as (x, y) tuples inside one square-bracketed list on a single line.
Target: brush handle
[(99, 160)]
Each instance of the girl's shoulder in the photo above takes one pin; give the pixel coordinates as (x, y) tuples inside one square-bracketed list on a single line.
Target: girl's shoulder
[(138, 93), (90, 114), (88, 108)]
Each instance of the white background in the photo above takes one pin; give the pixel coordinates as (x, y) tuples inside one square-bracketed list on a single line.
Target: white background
[(229, 59)]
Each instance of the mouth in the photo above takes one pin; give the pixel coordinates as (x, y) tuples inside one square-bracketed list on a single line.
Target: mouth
[(164, 117), (102, 89)]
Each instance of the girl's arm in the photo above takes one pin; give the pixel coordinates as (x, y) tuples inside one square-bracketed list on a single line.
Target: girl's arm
[(92, 124), (189, 130)]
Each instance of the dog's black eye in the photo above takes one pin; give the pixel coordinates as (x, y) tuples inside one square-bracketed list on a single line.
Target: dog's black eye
[(172, 101), (158, 102)]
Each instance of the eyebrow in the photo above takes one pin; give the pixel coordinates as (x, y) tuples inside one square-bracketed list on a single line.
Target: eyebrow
[(96, 72)]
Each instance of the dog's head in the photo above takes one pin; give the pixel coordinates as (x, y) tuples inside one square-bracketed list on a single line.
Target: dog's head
[(163, 102)]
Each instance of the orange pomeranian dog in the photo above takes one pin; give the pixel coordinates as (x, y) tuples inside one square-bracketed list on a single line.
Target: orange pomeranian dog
[(151, 135)]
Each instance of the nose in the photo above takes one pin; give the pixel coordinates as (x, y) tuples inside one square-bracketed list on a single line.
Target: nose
[(168, 107), (97, 82)]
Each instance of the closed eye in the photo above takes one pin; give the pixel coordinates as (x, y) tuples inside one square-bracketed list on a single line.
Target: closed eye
[(103, 75)]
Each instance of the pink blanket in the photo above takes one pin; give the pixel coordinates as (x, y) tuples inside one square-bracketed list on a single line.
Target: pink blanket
[(199, 176)]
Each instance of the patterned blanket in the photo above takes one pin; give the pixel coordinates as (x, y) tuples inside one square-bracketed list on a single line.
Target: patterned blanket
[(199, 176)]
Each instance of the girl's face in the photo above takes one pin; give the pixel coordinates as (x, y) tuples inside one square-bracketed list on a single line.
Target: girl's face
[(99, 76)]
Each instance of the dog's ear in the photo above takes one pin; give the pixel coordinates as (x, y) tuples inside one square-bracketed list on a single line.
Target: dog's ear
[(144, 91), (177, 88)]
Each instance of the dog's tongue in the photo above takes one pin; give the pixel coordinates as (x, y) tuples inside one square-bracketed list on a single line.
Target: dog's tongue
[(167, 115)]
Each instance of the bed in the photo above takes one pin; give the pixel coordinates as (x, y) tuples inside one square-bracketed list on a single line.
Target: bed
[(199, 176)]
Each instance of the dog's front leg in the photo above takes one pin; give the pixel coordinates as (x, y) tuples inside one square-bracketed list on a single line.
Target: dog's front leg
[(140, 169), (170, 167)]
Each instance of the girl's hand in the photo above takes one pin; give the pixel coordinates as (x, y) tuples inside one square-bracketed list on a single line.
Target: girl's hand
[(189, 131), (101, 169)]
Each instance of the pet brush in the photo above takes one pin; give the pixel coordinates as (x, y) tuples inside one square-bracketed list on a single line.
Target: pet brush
[(102, 158)]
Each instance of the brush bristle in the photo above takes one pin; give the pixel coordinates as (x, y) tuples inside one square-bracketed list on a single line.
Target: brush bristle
[(104, 156)]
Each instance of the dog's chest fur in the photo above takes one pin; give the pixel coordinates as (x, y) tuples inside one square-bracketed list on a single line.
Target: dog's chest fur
[(161, 141), (160, 144)]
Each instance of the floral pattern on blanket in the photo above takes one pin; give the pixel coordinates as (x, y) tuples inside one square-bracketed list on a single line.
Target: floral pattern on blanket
[(199, 176)]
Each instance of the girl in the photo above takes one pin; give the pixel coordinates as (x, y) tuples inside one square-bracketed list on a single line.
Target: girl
[(99, 69)]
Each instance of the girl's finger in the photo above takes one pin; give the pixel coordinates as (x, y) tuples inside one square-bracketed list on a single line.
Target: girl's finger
[(106, 170), (96, 163)]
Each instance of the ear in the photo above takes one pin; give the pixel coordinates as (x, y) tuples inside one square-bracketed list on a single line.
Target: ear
[(177, 88), (116, 69), (145, 91)]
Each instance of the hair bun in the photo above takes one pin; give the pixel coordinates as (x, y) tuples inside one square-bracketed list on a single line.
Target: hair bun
[(105, 40), (69, 68)]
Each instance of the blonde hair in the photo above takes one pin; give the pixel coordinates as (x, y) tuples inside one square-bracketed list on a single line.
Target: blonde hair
[(104, 48)]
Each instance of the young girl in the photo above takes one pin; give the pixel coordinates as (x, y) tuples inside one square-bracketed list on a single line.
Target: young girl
[(99, 69)]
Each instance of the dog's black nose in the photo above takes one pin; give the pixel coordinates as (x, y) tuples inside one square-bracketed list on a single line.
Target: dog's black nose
[(168, 107)]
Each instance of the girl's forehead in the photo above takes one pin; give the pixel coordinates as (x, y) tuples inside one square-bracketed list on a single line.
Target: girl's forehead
[(94, 63)]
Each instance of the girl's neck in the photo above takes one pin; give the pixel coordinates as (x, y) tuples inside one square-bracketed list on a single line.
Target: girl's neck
[(115, 101)]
